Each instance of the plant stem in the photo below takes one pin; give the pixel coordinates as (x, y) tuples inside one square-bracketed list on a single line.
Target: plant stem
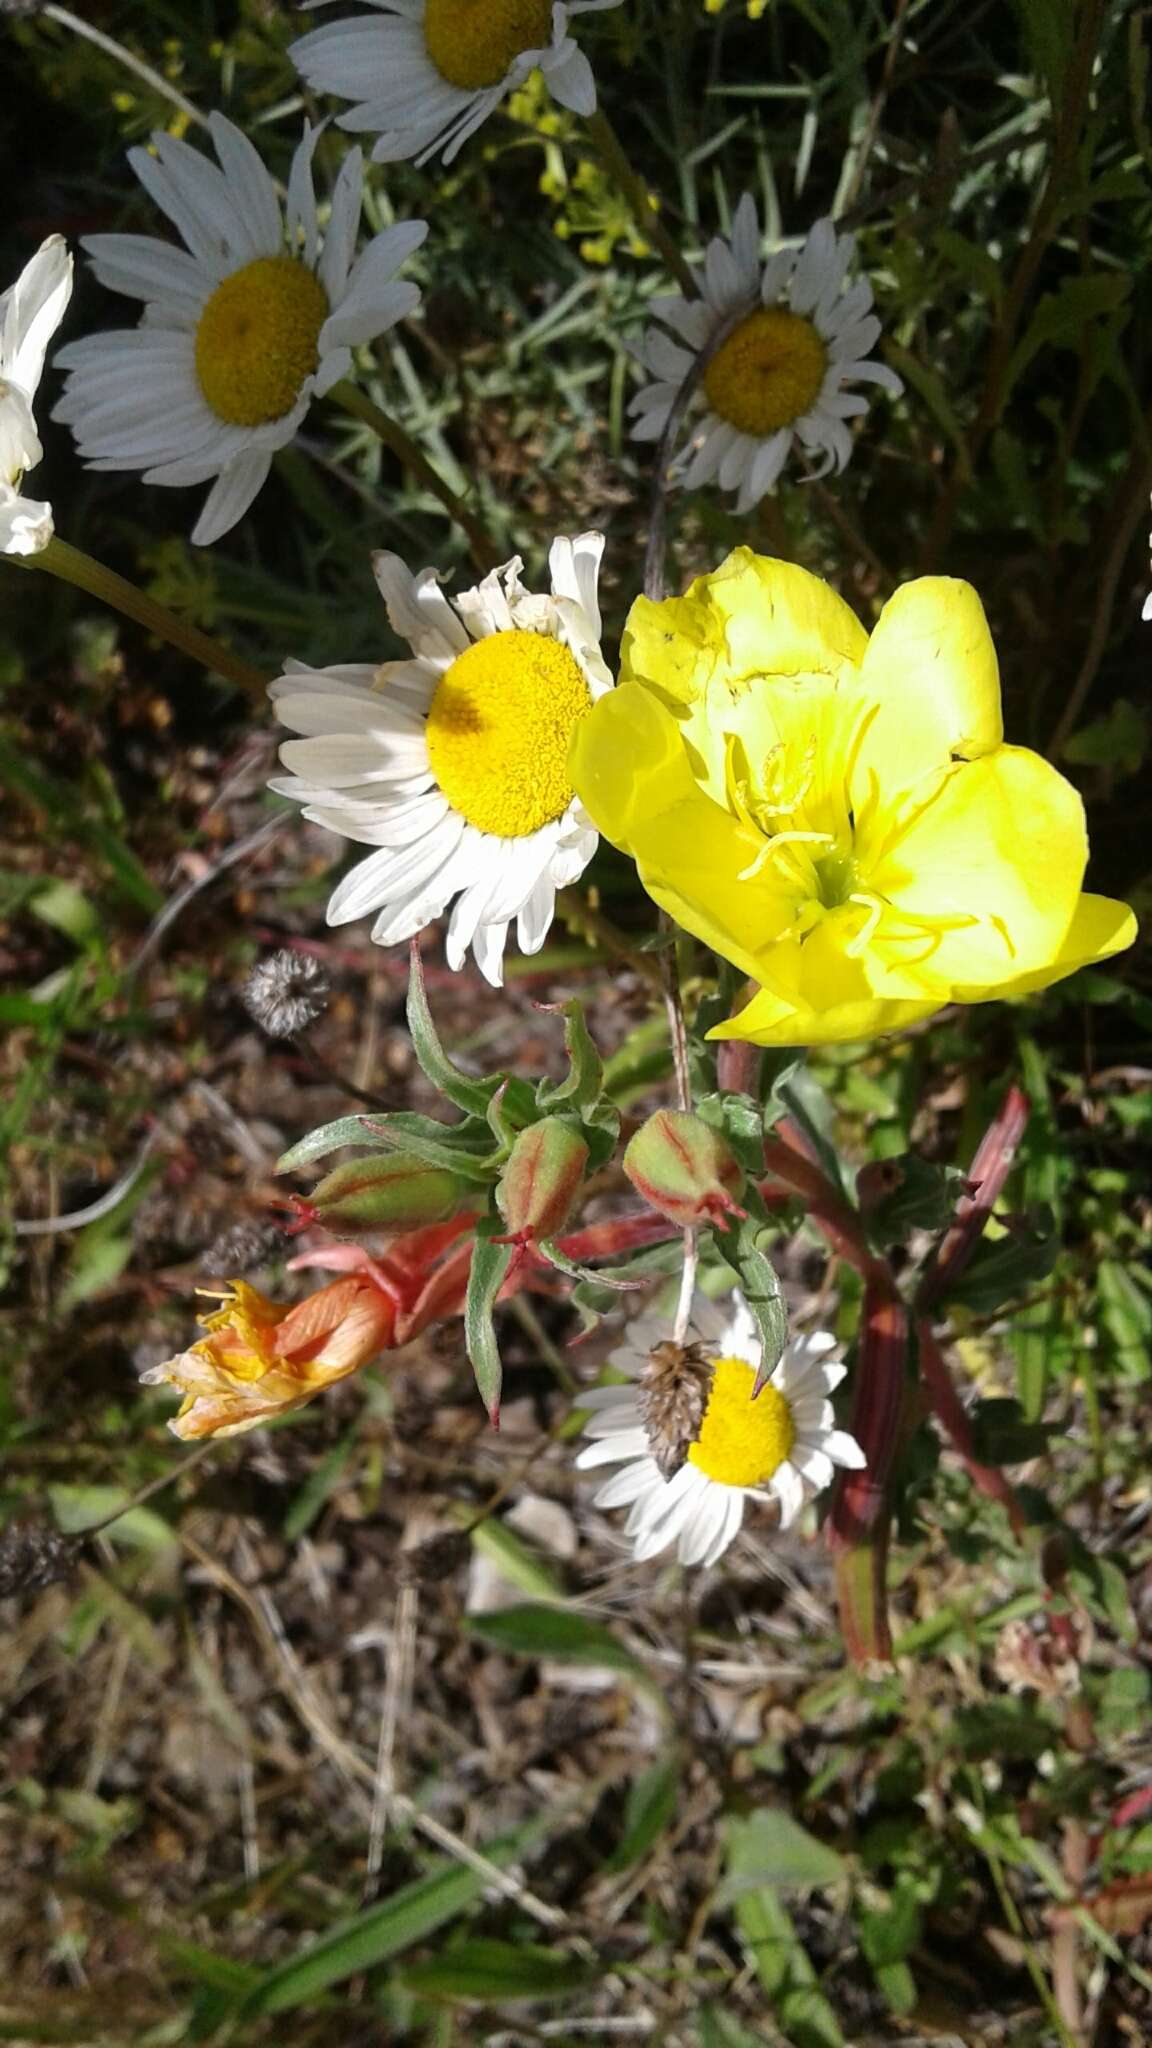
[(635, 191), (71, 565), (352, 400)]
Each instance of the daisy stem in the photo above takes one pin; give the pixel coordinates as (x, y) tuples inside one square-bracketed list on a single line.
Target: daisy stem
[(73, 566), (352, 400), (635, 190)]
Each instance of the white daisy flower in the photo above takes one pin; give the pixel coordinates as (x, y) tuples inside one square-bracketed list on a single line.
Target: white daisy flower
[(426, 75), (455, 763), (783, 1445), (788, 336), (30, 312), (240, 333)]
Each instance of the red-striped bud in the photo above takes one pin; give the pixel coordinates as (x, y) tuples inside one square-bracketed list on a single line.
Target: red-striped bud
[(542, 1179), (685, 1169), (391, 1191)]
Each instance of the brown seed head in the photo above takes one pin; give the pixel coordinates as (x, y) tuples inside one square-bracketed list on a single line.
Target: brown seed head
[(674, 1389)]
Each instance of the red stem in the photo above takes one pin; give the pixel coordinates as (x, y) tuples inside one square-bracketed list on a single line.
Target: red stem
[(950, 1411), (988, 1172)]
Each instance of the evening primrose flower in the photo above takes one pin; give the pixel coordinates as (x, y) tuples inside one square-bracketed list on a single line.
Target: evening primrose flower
[(782, 1446), (836, 814), (454, 763), (427, 73), (30, 312), (786, 337), (240, 332), (260, 1359)]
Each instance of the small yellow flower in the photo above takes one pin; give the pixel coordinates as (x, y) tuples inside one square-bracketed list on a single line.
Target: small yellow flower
[(836, 814), (261, 1358)]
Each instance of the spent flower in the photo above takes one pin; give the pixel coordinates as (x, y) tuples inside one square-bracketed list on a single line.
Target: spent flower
[(782, 1445), (454, 763), (241, 330), (839, 814), (30, 312), (782, 342), (261, 1358), (425, 74)]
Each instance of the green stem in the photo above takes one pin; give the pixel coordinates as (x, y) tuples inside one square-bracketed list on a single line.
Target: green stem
[(636, 192), (71, 565), (352, 400)]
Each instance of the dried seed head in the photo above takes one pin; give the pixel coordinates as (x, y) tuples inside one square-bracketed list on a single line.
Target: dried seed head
[(241, 1247), (34, 1555), (674, 1389), (286, 993)]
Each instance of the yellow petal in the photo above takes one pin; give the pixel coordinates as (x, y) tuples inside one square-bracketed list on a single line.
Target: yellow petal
[(1099, 928), (1001, 842), (631, 769), (932, 672), (768, 1021)]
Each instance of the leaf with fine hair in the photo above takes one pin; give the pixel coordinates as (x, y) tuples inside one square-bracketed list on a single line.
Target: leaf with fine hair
[(487, 1274)]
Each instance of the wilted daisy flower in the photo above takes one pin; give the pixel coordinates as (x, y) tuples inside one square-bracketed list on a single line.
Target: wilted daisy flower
[(787, 337), (455, 762), (783, 1445), (428, 73), (30, 312), (240, 333)]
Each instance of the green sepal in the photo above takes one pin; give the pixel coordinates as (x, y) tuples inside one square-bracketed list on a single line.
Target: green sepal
[(584, 1082), (612, 1279), (465, 1090), (347, 1130), (510, 1110), (486, 1276)]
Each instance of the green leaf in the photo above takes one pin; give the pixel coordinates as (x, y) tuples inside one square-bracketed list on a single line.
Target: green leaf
[(651, 1807), (486, 1276), (67, 909), (77, 1508), (741, 1121), (1062, 316), (585, 1078), (555, 1632), (1004, 1267), (498, 1971), (1120, 740), (463, 1148), (769, 1848), (718, 2029), (318, 1489), (466, 1092), (410, 1915), (517, 1560), (744, 1246)]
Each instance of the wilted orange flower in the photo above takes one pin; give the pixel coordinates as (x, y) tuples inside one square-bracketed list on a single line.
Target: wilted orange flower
[(261, 1358)]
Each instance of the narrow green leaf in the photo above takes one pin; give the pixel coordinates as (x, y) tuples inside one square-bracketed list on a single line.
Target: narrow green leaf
[(744, 1246), (464, 1090), (497, 1971), (517, 1560), (347, 1130), (555, 1632), (410, 1915), (486, 1276), (317, 1489), (652, 1802)]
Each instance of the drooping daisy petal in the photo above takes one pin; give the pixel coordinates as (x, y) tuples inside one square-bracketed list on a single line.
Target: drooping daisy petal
[(240, 332), (30, 312), (784, 338), (424, 74), (455, 764), (783, 1443)]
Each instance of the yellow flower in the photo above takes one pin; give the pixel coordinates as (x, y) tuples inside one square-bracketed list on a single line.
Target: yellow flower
[(836, 814), (261, 1359)]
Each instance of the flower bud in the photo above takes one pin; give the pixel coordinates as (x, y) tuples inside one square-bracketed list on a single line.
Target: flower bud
[(386, 1191), (542, 1178), (685, 1169)]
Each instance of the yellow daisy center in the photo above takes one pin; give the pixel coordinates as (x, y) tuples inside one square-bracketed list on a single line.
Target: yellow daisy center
[(473, 43), (258, 339), (742, 1442), (499, 730), (768, 372)]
